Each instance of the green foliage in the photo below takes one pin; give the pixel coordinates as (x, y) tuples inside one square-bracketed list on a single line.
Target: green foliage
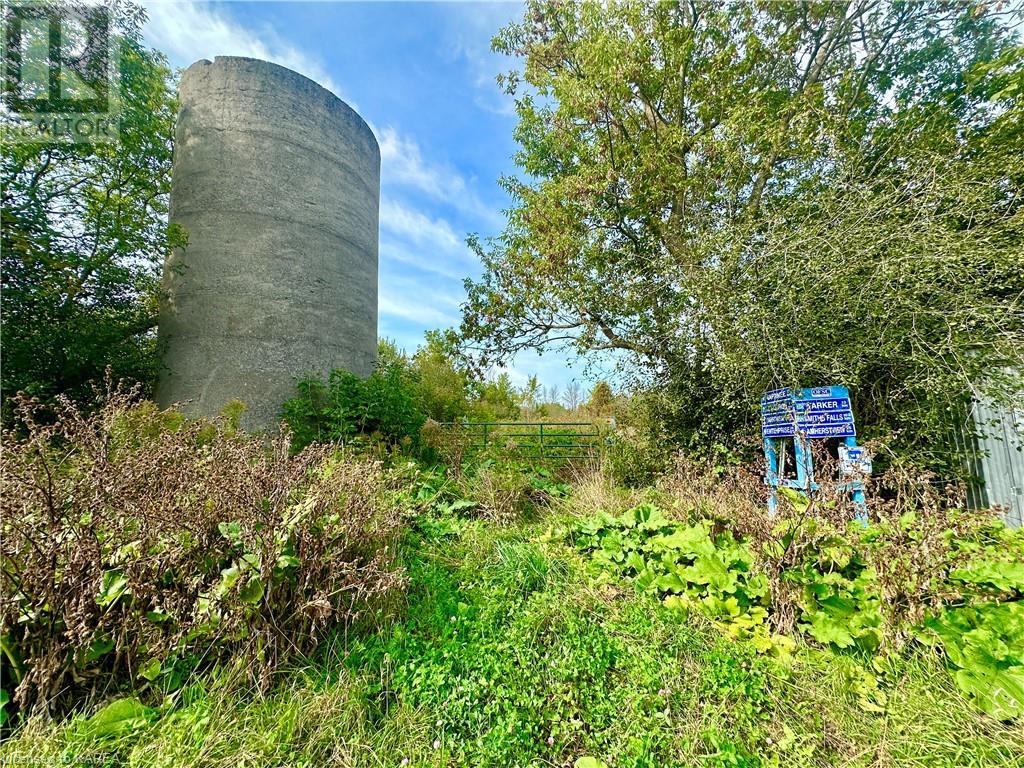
[(601, 397), (505, 490), (398, 398), (520, 666), (84, 234), (117, 719), (986, 644), (644, 441), (688, 566), (349, 408), (510, 655), (495, 399), (159, 546), (442, 388), (837, 595), (746, 195)]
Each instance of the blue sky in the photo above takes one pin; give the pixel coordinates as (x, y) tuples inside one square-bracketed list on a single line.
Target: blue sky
[(423, 76)]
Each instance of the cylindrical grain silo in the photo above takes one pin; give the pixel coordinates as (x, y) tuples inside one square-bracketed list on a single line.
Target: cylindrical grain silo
[(276, 183)]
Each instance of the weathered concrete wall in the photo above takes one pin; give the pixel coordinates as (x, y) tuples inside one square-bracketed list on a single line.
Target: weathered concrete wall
[(276, 182)]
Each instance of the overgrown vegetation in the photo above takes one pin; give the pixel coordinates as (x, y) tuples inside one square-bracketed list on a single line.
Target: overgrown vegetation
[(590, 625), (831, 587), (733, 195), (140, 547)]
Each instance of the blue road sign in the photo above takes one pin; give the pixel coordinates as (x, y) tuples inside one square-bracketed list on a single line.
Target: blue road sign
[(803, 414), (829, 430), (813, 411)]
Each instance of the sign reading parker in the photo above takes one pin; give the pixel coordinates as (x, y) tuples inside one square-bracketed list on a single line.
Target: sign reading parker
[(799, 416)]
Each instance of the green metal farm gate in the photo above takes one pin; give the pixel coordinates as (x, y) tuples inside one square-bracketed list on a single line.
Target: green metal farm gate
[(536, 440)]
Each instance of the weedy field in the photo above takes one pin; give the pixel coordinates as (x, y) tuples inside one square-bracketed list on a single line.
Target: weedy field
[(267, 609)]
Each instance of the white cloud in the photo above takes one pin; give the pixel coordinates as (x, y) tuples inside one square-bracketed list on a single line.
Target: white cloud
[(419, 301), (418, 228), (397, 305), (425, 261), (403, 164), (472, 27), (190, 31)]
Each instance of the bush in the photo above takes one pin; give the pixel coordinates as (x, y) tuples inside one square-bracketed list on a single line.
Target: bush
[(351, 409), (505, 491), (501, 492), (138, 546), (447, 443), (642, 447)]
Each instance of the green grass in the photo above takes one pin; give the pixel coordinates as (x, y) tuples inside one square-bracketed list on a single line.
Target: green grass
[(508, 653)]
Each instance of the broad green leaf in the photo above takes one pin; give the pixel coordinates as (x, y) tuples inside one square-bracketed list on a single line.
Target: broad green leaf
[(231, 531), (114, 585), (693, 540), (150, 670), (118, 718), (646, 579), (251, 591), (287, 561), (100, 646), (1002, 576), (635, 561), (827, 630), (228, 579), (710, 570), (797, 500), (670, 582), (998, 692)]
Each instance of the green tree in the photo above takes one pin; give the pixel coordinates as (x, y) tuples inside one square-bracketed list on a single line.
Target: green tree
[(443, 387), (84, 233), (529, 396), (495, 399), (601, 397), (740, 196)]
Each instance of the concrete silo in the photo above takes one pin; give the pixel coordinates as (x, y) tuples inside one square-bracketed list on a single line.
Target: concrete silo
[(276, 183)]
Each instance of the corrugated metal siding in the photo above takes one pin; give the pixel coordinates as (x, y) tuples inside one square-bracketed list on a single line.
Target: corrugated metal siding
[(1000, 460)]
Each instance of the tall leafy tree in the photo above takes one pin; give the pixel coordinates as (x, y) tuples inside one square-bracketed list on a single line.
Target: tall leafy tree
[(84, 232), (745, 195), (601, 397)]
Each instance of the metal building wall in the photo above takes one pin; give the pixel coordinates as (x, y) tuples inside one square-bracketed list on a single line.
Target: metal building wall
[(1000, 458)]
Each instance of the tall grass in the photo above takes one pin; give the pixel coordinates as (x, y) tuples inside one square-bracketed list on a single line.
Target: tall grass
[(512, 652)]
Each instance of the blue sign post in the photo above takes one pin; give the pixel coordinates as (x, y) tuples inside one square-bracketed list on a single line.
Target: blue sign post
[(803, 415)]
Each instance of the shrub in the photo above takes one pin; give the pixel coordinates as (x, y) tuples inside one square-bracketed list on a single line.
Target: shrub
[(442, 387), (643, 446), (447, 443), (349, 409), (137, 546), (502, 491)]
